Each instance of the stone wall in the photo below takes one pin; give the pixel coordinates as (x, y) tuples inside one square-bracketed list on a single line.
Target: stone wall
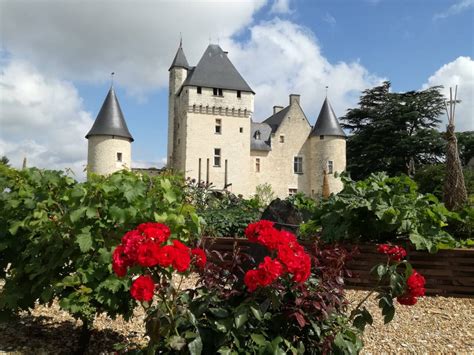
[(102, 154)]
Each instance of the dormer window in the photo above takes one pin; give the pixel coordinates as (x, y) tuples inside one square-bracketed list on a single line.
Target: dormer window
[(199, 90), (257, 135)]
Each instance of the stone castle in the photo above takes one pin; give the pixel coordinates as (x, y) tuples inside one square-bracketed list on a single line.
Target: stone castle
[(213, 138)]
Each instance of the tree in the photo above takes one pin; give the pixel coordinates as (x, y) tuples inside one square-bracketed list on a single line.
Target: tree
[(393, 131), (4, 160), (465, 146)]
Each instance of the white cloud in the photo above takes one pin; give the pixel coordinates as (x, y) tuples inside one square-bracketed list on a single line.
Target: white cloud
[(282, 58), (144, 164), (85, 41), (281, 7), (455, 9), (458, 72), (42, 119)]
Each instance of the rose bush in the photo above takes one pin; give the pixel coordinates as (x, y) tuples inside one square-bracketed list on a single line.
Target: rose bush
[(291, 302)]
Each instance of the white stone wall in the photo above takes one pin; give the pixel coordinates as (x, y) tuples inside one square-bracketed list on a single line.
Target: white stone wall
[(198, 138), (102, 154), (276, 166), (330, 148)]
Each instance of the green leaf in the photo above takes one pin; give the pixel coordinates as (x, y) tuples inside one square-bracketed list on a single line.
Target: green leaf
[(84, 240), (259, 339), (195, 347), (257, 313), (14, 227), (77, 214), (241, 318)]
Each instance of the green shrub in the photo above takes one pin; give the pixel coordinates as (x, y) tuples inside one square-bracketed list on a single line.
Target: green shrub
[(380, 209), (56, 235)]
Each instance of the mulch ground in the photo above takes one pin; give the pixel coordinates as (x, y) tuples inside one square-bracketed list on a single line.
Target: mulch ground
[(433, 325)]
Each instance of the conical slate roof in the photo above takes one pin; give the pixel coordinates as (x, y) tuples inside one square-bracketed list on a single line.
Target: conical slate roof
[(215, 70), (110, 120), (180, 60), (327, 123)]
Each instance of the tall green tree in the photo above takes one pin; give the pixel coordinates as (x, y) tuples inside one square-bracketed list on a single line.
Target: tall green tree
[(393, 131)]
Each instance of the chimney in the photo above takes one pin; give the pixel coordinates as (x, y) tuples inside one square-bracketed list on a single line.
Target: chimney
[(277, 109), (294, 98)]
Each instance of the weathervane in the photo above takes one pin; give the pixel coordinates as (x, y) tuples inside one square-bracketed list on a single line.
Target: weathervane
[(112, 79), (327, 90)]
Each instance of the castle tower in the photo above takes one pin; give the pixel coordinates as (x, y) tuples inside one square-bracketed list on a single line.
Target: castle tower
[(209, 119), (109, 141), (328, 150), (178, 73)]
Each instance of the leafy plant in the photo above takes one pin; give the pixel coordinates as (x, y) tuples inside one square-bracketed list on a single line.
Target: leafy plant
[(380, 209), (264, 194), (57, 235)]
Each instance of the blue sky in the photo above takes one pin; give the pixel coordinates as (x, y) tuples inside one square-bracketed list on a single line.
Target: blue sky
[(57, 56)]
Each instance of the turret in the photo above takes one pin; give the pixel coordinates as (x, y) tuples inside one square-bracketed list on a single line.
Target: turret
[(178, 74), (109, 140), (328, 150)]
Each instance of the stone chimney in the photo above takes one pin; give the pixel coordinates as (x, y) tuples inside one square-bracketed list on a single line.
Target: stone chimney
[(294, 98), (277, 109)]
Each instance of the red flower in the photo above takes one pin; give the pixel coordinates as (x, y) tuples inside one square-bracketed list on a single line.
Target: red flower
[(253, 230), (415, 288), (407, 300), (119, 261), (130, 241), (272, 268), (296, 260), (181, 260), (142, 288), (394, 252), (200, 257), (157, 232), (251, 280), (165, 255), (147, 255)]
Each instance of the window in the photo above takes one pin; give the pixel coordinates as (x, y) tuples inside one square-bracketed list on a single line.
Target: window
[(214, 92), (257, 135), (119, 157), (217, 92), (292, 192), (217, 157), (257, 165), (239, 94), (282, 139), (321, 137), (221, 93), (218, 126), (199, 90), (241, 129), (330, 166), (298, 165)]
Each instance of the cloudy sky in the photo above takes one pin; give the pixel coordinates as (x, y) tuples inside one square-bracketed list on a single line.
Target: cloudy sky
[(56, 58)]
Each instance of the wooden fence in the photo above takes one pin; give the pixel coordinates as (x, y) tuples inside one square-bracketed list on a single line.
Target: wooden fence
[(447, 273)]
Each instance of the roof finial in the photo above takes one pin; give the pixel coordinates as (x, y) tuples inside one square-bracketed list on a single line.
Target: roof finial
[(112, 79), (180, 40), (327, 87)]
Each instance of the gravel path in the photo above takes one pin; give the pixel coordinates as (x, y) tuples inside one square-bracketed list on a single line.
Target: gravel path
[(434, 325)]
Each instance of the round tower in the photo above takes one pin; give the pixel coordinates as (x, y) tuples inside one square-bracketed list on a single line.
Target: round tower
[(109, 140), (328, 151), (178, 74)]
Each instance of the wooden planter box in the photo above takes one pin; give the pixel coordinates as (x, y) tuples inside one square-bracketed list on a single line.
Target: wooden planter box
[(447, 273)]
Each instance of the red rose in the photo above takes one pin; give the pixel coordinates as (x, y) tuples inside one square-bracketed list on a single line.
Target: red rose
[(130, 241), (200, 258), (416, 280), (272, 268), (182, 257), (157, 232), (253, 230), (407, 300), (251, 280), (142, 288), (165, 255), (119, 261), (383, 248), (147, 255)]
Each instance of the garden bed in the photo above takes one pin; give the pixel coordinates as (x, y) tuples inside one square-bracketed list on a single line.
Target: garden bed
[(433, 325), (447, 273)]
